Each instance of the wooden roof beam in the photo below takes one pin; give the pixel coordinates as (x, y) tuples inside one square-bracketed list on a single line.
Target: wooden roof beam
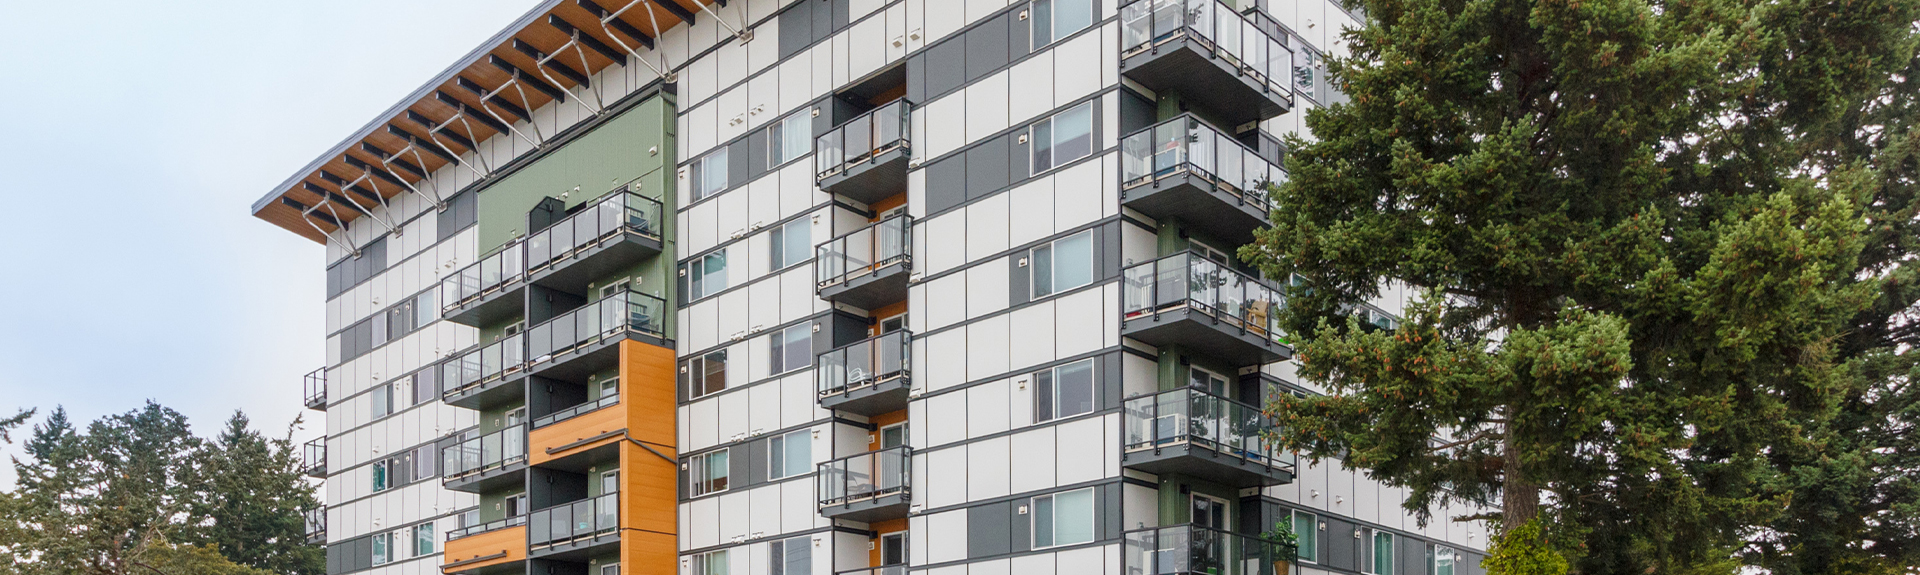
[(586, 39), (613, 21)]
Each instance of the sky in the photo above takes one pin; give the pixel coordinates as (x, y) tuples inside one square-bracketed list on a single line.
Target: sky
[(140, 133)]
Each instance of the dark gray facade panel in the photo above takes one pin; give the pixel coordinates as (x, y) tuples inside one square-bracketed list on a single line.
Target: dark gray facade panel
[(738, 458), (988, 532), (987, 168), (917, 78), (1410, 556), (822, 18), (738, 164), (1111, 386), (756, 462), (987, 48), (946, 68), (757, 153), (842, 11), (336, 558), (362, 554), (1109, 496), (1019, 158), (1021, 290), (946, 183), (1019, 36), (1136, 112), (796, 29), (1342, 550), (1020, 529)]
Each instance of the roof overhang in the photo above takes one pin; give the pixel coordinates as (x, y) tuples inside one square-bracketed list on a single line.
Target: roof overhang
[(549, 54)]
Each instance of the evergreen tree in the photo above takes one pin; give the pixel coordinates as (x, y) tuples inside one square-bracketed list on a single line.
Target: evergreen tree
[(251, 501), (1666, 248)]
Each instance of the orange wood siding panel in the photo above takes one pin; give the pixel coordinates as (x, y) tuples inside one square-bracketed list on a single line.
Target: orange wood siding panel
[(882, 528), (649, 496), (648, 389), (512, 541), (608, 419), (883, 420)]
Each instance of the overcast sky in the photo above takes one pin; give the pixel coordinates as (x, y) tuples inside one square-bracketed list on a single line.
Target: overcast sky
[(138, 134)]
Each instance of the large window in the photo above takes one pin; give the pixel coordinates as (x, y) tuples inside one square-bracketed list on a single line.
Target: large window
[(423, 386), (1307, 527), (1056, 19), (1444, 559), (381, 400), (789, 138), (1063, 138), (1063, 518), (708, 175), (1382, 557), (423, 539), (1065, 264), (707, 275), (382, 475), (706, 374), (789, 455), (792, 348), (707, 473), (1063, 391), (791, 244), (711, 563), (382, 548), (423, 460), (791, 556)]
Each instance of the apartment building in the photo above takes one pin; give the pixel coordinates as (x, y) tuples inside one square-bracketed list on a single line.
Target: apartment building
[(808, 287)]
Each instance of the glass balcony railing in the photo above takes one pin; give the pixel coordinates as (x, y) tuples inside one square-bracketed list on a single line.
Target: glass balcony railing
[(576, 411), (583, 519), (1193, 549), (502, 268), (1219, 29), (496, 525), (866, 476), (315, 387), (316, 520), (864, 363), (313, 457), (485, 453), (489, 364), (1189, 281), (602, 220), (887, 570), (889, 242), (1185, 146), (860, 139), (1196, 418), (608, 317)]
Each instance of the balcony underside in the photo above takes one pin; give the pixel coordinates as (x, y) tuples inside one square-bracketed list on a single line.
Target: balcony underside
[(494, 393), (1185, 66), (491, 307), (869, 510), (884, 397), (1205, 334), (877, 178), (1198, 202), (1203, 462), (595, 261), (871, 290), (578, 549), (489, 480)]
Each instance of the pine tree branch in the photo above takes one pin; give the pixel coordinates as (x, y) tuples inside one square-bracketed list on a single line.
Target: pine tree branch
[(1481, 436)]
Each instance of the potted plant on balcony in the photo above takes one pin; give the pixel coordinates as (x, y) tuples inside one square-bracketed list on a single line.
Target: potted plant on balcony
[(1286, 546)]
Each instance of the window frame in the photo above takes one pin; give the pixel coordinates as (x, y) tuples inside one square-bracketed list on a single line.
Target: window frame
[(1374, 557), (779, 551), (382, 471), (701, 485), (803, 120), (430, 547), (382, 548), (1053, 162), (1309, 539), (703, 563), (699, 172), (1053, 34), (1051, 252), (779, 346), (778, 248), (1046, 385), (697, 370), (1033, 527), (777, 458), (700, 275)]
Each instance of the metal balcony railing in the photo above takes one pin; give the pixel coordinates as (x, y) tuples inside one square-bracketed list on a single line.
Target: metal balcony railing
[(576, 411), (887, 570), (486, 527), (608, 317), (313, 457), (502, 268), (316, 520), (470, 370), (866, 476), (1229, 35), (1193, 549), (885, 243), (1197, 418), (864, 363), (602, 220), (583, 519), (1190, 281), (877, 132), (1186, 146), (485, 453), (315, 387)]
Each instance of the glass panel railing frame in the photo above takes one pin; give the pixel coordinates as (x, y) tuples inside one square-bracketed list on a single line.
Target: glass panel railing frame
[(576, 411), (1227, 34), (864, 363), (862, 138), (490, 363), (494, 525), (1188, 280), (1195, 417), (1185, 145), (866, 476), (620, 313), (590, 517), (884, 243), (597, 222), (485, 453), (1195, 549)]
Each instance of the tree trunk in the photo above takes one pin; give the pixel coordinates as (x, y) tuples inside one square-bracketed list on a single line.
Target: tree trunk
[(1519, 498)]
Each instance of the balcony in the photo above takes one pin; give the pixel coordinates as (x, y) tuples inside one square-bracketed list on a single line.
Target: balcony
[(1196, 550), (316, 520), (869, 267), (603, 236), (494, 547), (572, 531), (869, 377), (865, 159), (1192, 432), (868, 487), (487, 376), (583, 341), (1185, 170), (315, 386), (313, 458), (485, 462), (1216, 59), (888, 570), (487, 291), (1188, 300), (576, 411)]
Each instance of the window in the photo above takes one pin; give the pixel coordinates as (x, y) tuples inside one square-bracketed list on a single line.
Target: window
[(613, 288), (893, 324), (1382, 563), (1305, 64), (609, 388), (609, 482), (789, 455), (517, 505), (610, 569), (1063, 518), (707, 473), (706, 374), (1063, 138), (1064, 391), (707, 275), (893, 436), (791, 243), (711, 563), (1444, 559), (382, 476), (1208, 381), (423, 462), (893, 548), (1065, 264), (423, 539), (792, 348), (789, 138), (1056, 19), (791, 556), (425, 309), (1307, 527), (423, 388), (382, 400), (708, 175), (382, 544), (380, 333)]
